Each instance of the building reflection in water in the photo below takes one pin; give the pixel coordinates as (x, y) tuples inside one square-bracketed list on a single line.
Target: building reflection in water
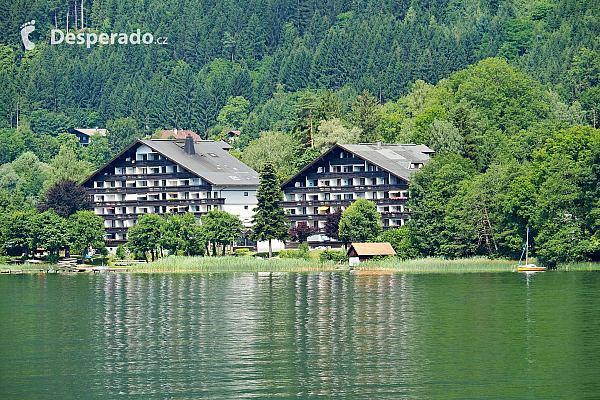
[(255, 334)]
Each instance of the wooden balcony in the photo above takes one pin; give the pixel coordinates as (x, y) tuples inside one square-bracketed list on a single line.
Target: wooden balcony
[(147, 177), (305, 203), (159, 202), (110, 217), (322, 217), (349, 188), (150, 189), (347, 175)]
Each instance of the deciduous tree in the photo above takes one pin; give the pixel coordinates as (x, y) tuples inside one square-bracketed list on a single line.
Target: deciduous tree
[(146, 234), (86, 230), (301, 232), (360, 222), (65, 198), (221, 227)]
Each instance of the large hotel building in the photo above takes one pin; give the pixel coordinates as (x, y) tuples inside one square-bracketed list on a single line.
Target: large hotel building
[(170, 176), (346, 172)]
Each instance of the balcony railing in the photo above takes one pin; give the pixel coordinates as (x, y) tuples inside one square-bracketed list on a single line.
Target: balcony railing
[(148, 176), (349, 188), (383, 215), (346, 175), (158, 202), (150, 189), (137, 215), (346, 202)]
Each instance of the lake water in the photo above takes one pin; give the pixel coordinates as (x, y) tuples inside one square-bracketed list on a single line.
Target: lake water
[(446, 336)]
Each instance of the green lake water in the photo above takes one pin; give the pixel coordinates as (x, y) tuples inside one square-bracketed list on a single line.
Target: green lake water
[(325, 335)]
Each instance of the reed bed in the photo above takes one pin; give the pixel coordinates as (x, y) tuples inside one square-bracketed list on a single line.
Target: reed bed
[(580, 266), (182, 264), (23, 267), (435, 264)]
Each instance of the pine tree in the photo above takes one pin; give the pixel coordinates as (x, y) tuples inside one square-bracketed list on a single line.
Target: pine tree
[(305, 125), (366, 114), (269, 221)]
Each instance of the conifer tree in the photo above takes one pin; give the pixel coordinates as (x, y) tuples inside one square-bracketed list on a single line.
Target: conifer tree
[(269, 221), (366, 114)]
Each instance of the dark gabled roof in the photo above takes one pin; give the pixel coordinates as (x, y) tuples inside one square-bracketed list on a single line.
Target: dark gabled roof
[(211, 162), (89, 132), (393, 158), (372, 249)]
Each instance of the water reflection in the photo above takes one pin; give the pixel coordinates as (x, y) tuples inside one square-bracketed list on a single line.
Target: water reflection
[(301, 335)]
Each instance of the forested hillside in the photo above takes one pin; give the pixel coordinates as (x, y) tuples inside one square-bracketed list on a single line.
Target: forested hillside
[(506, 92), (257, 48)]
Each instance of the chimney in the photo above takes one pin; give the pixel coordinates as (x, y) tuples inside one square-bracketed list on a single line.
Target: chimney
[(189, 146), (378, 145)]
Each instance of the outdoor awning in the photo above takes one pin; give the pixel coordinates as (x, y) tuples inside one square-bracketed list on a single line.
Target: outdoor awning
[(323, 208)]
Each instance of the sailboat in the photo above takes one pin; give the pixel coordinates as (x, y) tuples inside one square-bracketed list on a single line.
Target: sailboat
[(528, 267)]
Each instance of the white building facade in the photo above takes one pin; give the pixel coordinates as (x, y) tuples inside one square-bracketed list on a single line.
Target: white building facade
[(347, 172), (170, 176)]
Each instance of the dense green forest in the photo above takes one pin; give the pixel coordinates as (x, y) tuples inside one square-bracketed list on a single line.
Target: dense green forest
[(506, 92)]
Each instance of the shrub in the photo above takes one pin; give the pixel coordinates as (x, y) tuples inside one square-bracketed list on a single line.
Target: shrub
[(293, 254), (242, 252), (304, 249), (265, 254), (333, 255), (120, 253)]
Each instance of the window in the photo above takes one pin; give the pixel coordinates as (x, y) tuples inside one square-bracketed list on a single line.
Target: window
[(348, 196), (245, 207), (362, 181), (245, 194), (293, 211)]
